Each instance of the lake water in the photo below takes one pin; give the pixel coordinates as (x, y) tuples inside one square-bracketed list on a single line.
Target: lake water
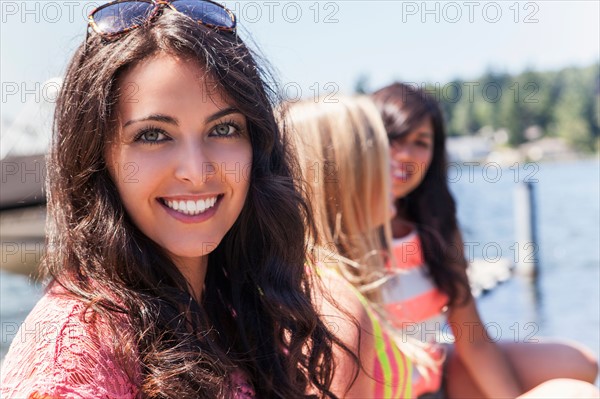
[(565, 302)]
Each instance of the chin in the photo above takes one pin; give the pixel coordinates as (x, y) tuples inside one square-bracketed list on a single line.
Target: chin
[(399, 194), (403, 191), (191, 250)]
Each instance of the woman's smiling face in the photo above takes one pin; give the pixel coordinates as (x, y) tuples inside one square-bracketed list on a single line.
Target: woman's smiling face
[(180, 158), (411, 156)]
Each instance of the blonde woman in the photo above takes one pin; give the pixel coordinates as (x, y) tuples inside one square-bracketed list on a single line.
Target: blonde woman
[(346, 161), (344, 152)]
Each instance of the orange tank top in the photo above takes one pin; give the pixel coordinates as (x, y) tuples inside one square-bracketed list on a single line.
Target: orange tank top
[(417, 306)]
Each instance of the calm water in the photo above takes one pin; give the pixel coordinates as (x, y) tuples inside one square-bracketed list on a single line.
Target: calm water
[(566, 302)]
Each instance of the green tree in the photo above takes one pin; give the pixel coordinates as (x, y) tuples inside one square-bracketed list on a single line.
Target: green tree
[(572, 120)]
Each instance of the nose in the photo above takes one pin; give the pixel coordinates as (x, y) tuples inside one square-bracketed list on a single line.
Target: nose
[(194, 165), (400, 152)]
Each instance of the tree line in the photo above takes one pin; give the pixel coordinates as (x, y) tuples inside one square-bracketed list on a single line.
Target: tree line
[(563, 103)]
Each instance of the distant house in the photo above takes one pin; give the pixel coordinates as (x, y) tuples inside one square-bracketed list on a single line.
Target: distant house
[(468, 148), (23, 146), (548, 148)]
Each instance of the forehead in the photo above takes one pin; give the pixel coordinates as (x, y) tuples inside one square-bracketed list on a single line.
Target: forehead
[(423, 128), (169, 83)]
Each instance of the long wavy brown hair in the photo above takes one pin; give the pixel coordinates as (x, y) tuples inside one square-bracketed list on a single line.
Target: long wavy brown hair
[(430, 206), (256, 313)]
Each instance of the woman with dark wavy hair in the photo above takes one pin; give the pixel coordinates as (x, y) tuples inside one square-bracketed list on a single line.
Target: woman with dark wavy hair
[(431, 286), (175, 233)]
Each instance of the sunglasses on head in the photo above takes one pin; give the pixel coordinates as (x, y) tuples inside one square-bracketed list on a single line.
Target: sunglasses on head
[(121, 16)]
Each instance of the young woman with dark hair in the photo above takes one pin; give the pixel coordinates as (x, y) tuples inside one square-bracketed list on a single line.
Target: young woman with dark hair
[(176, 229), (431, 286)]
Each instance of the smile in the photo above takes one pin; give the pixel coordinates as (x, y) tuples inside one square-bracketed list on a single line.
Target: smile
[(400, 174), (191, 207)]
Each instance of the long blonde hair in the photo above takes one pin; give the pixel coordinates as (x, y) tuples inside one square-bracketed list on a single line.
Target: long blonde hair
[(343, 148), (344, 154)]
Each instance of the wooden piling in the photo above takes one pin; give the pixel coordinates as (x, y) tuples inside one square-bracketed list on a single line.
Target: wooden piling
[(527, 262)]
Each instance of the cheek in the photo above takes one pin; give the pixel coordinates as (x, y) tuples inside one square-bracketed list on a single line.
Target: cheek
[(133, 176), (236, 165), (424, 159), (394, 152)]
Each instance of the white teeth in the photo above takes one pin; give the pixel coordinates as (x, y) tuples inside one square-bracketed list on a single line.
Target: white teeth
[(190, 207), (399, 174)]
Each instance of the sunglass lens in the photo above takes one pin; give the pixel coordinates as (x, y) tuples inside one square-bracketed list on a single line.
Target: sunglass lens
[(205, 12), (121, 16)]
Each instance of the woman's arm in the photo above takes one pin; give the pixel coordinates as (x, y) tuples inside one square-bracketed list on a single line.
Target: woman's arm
[(562, 388), (482, 358)]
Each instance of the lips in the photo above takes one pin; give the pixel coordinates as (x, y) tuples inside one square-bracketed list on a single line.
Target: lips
[(403, 171)]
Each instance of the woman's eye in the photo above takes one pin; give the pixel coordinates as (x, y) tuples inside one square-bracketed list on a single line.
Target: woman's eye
[(151, 136), (225, 130)]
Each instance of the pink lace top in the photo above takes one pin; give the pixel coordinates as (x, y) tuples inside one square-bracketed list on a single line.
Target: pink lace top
[(56, 354)]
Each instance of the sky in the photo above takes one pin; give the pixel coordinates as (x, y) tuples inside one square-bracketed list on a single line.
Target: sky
[(321, 47)]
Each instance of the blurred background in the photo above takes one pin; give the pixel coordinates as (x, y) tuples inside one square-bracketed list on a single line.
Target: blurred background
[(519, 82)]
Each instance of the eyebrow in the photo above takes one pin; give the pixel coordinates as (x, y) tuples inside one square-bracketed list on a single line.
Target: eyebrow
[(173, 121), (426, 134), (222, 113)]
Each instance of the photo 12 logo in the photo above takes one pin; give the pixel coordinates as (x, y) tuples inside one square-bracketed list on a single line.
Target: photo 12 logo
[(448, 332), (490, 92), (469, 11), (27, 91), (284, 11), (47, 11)]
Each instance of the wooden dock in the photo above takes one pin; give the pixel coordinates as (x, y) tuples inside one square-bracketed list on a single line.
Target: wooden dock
[(22, 239), (485, 275)]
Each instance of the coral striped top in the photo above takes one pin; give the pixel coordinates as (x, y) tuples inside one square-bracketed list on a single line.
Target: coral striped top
[(417, 306), (392, 367)]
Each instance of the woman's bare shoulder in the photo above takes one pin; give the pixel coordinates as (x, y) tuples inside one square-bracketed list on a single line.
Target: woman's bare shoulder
[(341, 307)]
